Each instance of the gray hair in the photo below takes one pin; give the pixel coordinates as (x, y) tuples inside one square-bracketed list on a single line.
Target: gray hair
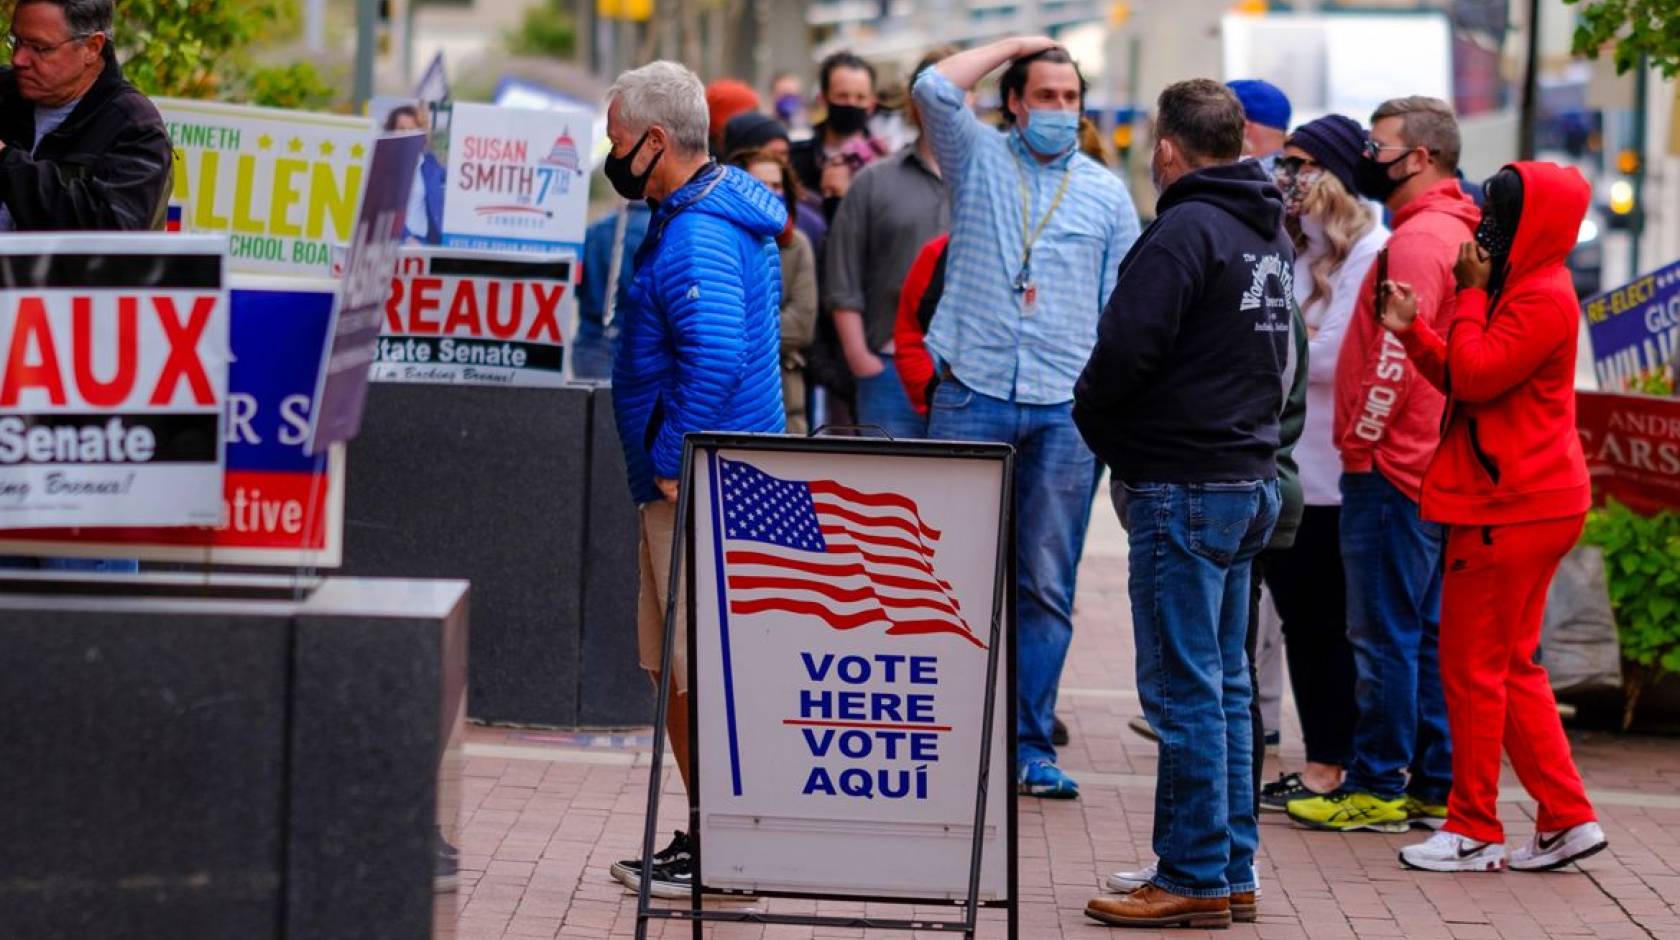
[(1428, 123), (84, 17), (668, 94)]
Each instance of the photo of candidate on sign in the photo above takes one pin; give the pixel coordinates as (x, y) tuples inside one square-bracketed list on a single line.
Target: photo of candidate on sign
[(843, 601), (113, 379)]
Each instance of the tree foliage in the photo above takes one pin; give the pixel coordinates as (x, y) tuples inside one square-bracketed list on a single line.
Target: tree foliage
[(1642, 562), (201, 49), (547, 30), (1631, 29)]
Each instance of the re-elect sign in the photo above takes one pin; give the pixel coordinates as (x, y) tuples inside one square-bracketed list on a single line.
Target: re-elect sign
[(843, 610), (1635, 329), (113, 377), (282, 184), (477, 318)]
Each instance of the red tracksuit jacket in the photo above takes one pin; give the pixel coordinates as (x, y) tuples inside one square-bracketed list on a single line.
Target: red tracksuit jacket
[(1510, 452)]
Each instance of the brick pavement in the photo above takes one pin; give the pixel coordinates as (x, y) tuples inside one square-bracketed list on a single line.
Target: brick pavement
[(544, 814)]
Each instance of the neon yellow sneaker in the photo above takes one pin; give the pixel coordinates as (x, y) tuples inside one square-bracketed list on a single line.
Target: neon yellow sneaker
[(1345, 811), (1425, 815)]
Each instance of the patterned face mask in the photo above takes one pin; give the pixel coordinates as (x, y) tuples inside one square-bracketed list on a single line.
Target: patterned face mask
[(1492, 236), (1295, 180)]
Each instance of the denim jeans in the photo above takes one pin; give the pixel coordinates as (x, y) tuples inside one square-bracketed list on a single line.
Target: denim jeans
[(1392, 562), (591, 352), (1192, 546), (1053, 474), (882, 401)]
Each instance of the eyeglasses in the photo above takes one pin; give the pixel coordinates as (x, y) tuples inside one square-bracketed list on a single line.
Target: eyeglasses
[(13, 44), (1374, 147)]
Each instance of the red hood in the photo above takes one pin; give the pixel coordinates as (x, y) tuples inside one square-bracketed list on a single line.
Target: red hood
[(1446, 196), (1554, 201)]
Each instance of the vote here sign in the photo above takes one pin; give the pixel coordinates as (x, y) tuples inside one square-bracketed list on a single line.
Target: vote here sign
[(477, 318), (283, 185), (113, 379), (842, 614)]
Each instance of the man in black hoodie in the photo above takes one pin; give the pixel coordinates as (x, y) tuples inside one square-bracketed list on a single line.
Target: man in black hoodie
[(1181, 398)]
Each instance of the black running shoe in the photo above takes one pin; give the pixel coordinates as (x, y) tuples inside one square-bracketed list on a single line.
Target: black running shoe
[(675, 880), (1275, 796), (629, 871), (1058, 731)]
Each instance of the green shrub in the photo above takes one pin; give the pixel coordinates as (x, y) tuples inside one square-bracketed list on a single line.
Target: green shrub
[(1642, 563)]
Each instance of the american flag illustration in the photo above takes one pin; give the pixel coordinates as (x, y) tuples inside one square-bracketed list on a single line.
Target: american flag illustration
[(820, 548), (172, 221)]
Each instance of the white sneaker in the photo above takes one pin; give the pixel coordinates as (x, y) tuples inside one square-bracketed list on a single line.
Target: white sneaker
[(1449, 851), (1125, 882), (1548, 850)]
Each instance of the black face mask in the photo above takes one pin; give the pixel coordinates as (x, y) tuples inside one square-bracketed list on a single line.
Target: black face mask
[(1373, 180), (625, 181), (1492, 236), (847, 119)]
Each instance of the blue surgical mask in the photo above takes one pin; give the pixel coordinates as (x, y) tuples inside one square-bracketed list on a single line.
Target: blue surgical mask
[(1051, 132)]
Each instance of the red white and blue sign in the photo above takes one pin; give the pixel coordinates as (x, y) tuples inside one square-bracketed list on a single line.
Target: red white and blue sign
[(280, 505), (842, 632)]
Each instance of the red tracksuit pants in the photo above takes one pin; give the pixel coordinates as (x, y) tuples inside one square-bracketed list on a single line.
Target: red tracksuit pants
[(1493, 599)]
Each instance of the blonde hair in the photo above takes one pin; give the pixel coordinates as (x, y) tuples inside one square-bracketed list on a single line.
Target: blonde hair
[(1345, 220)]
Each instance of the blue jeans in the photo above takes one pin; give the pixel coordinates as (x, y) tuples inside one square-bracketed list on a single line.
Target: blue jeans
[(591, 352), (881, 401), (1192, 548), (1392, 560), (1053, 474)]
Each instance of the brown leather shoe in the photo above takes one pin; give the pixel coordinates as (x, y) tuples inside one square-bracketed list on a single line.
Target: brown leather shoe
[(1150, 906), (1245, 908)]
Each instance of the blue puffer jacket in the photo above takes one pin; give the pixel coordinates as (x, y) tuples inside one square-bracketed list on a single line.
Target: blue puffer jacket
[(699, 343)]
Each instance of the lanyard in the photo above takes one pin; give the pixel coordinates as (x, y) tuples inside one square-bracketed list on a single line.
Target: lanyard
[(1030, 234)]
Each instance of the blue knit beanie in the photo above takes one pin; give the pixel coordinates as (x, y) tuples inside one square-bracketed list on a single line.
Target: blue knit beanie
[(1263, 102), (1337, 143)]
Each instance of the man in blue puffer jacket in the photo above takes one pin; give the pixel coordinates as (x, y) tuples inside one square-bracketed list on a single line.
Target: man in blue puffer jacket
[(699, 346)]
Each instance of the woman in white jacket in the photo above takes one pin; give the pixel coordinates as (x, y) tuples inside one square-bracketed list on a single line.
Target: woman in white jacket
[(1337, 238)]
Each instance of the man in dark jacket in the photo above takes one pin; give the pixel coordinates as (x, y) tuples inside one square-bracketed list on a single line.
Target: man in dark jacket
[(1181, 398), (80, 148)]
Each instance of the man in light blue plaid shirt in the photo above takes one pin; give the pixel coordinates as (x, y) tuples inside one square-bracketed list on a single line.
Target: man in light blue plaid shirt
[(1038, 230)]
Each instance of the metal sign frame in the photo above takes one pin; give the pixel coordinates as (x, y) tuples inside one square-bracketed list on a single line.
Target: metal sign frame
[(1003, 612)]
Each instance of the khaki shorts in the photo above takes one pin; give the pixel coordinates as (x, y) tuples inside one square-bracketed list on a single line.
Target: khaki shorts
[(658, 525)]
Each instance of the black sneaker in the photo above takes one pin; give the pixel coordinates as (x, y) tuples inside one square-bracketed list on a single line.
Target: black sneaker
[(1275, 796), (629, 871), (1058, 731), (675, 880)]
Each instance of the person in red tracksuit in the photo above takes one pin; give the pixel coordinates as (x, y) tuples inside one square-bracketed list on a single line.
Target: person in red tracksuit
[(1510, 483)]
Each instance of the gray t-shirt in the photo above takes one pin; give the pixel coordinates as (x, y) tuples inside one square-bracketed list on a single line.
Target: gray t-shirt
[(47, 120)]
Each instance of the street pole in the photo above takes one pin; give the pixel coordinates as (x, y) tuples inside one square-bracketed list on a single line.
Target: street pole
[(1531, 86), (366, 41), (315, 26), (1641, 105)]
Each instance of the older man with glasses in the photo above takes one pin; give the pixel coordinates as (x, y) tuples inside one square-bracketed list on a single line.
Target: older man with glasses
[(80, 148)]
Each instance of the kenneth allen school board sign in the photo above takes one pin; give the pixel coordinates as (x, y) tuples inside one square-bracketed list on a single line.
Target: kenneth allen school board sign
[(842, 628)]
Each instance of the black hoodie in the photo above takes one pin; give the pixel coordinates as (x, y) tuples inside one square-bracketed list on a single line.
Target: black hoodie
[(1185, 384)]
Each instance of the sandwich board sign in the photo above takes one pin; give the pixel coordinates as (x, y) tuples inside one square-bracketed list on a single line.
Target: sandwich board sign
[(850, 637)]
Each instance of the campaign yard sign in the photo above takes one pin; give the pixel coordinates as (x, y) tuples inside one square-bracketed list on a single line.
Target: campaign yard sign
[(1632, 444), (113, 379), (841, 632), (477, 318), (1635, 329), (282, 184), (280, 506), (518, 179), (353, 339)]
